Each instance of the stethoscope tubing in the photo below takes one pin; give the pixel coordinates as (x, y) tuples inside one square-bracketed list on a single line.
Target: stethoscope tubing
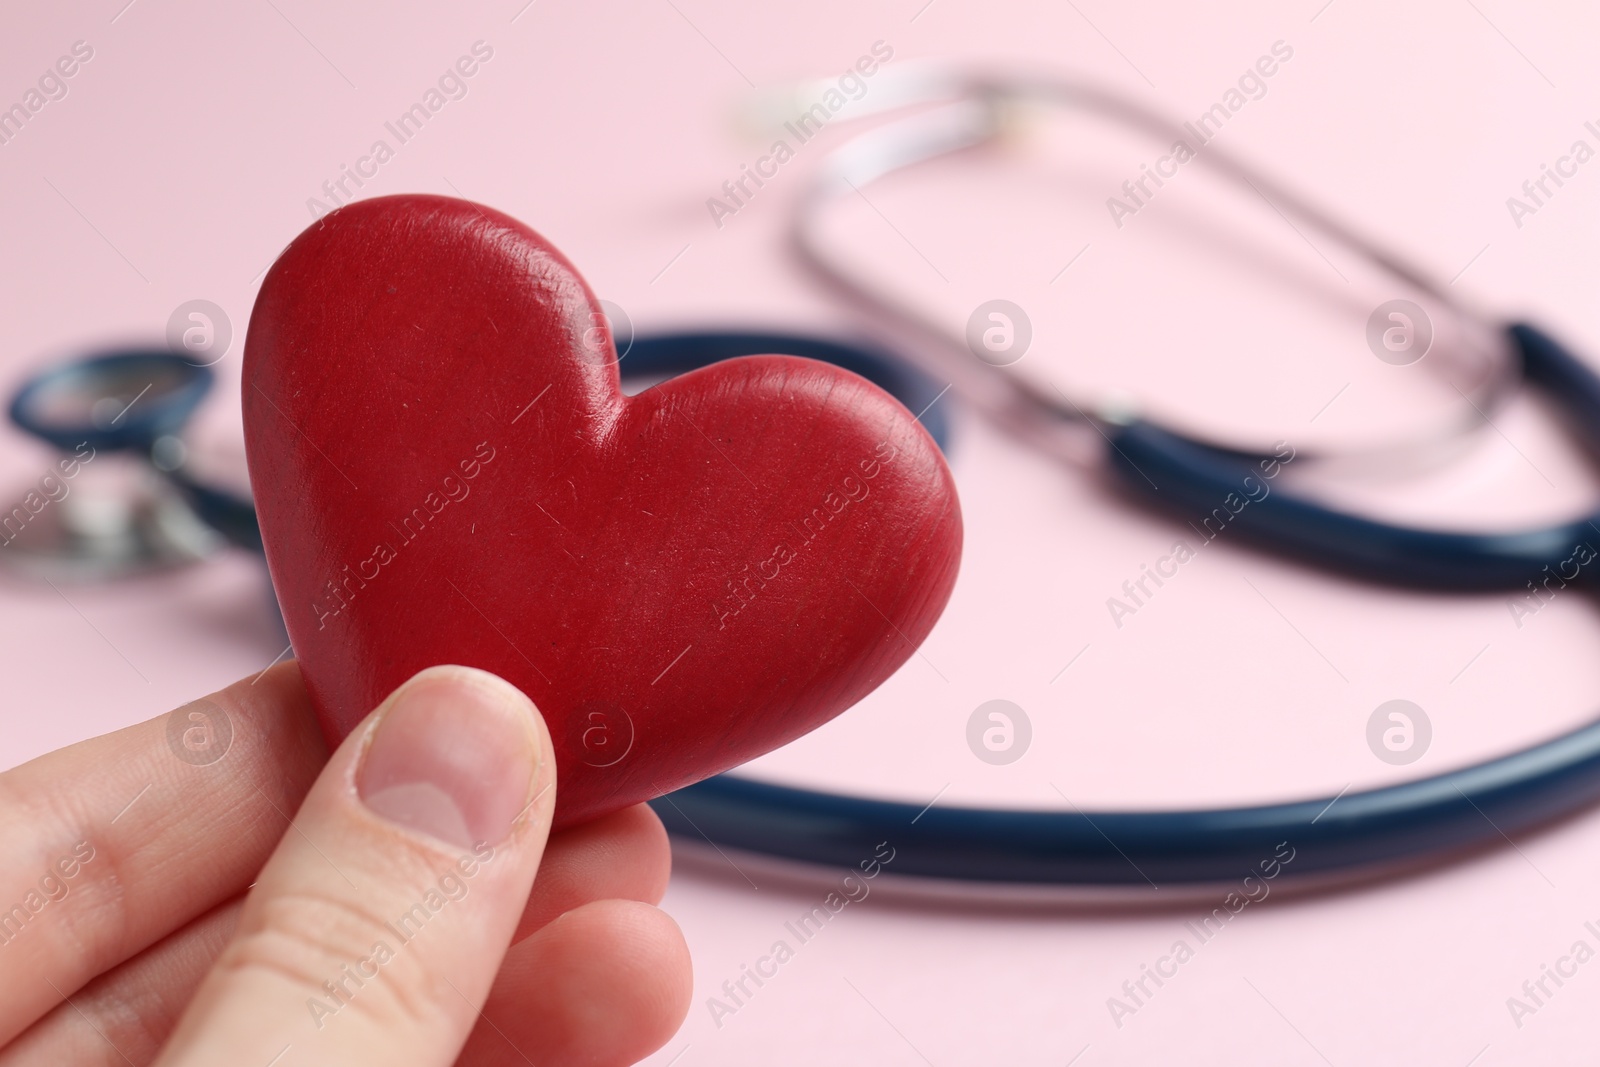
[(1370, 830), (1412, 822), (1398, 825)]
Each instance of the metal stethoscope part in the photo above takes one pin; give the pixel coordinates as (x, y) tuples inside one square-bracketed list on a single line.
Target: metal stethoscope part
[(118, 417), (973, 110)]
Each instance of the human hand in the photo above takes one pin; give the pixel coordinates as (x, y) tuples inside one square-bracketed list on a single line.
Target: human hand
[(157, 905)]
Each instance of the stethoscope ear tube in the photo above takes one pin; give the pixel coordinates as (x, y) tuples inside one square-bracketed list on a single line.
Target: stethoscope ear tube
[(1548, 365), (1216, 490), (972, 109)]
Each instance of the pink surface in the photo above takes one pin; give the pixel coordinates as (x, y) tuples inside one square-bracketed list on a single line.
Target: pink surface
[(181, 160)]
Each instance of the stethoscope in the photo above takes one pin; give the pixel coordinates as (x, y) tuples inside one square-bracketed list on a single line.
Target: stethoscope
[(1353, 834), (968, 111)]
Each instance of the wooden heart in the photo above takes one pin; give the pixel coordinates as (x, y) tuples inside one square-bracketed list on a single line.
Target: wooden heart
[(447, 471)]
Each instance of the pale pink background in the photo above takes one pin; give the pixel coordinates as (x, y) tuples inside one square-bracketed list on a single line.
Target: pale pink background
[(193, 138)]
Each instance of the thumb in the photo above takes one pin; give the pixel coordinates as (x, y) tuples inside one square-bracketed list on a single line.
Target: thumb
[(374, 932)]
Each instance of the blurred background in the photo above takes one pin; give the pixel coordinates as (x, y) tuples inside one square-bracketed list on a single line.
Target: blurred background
[(193, 141)]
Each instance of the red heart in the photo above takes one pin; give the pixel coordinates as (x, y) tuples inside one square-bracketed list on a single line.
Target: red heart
[(447, 471)]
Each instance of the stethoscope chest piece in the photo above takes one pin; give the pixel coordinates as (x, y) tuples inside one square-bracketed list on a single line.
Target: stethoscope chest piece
[(109, 506)]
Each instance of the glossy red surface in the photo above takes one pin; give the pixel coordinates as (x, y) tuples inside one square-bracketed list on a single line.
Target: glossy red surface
[(447, 471)]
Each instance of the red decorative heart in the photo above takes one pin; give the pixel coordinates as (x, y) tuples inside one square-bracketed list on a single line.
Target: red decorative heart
[(447, 471)]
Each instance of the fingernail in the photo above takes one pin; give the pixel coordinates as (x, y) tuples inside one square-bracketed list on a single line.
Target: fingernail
[(454, 757)]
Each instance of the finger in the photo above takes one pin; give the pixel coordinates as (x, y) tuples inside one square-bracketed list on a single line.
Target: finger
[(114, 842), (624, 855), (126, 1014), (374, 932), (607, 983), (123, 1017)]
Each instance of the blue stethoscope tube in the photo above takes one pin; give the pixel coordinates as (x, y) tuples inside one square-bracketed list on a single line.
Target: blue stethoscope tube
[(1426, 819), (1191, 478), (1402, 824), (1412, 822)]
